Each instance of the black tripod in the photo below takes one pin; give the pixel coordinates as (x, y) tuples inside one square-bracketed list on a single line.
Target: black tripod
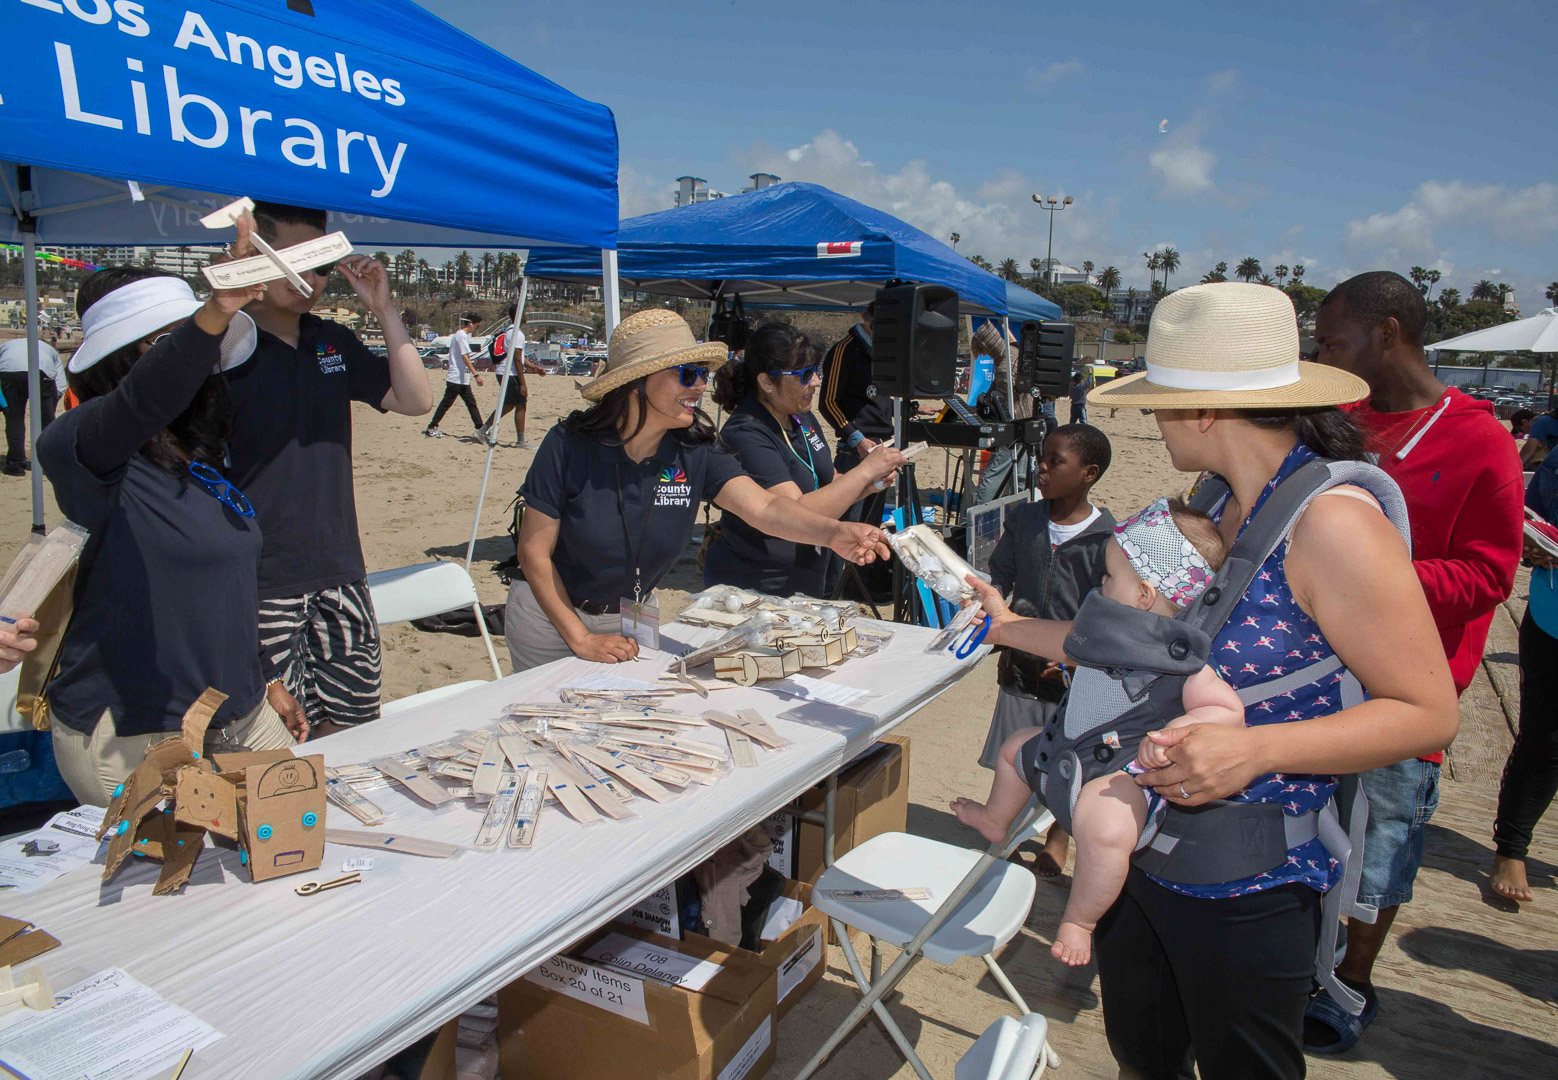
[(905, 597)]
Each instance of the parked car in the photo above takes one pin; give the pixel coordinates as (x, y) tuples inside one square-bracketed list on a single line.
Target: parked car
[(576, 365)]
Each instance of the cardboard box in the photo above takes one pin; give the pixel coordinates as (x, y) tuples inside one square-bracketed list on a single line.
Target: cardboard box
[(579, 1018), (798, 957), (873, 798)]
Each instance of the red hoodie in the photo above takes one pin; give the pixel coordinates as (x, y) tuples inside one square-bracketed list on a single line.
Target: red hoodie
[(1460, 473)]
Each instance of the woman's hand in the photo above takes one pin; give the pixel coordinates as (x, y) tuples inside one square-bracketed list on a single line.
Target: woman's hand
[(289, 709), (223, 304), (859, 543), (605, 648), (882, 464), (1206, 762), (16, 642)]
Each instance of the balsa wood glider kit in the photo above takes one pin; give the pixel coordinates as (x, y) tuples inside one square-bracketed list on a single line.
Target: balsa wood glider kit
[(270, 264), (270, 802), (770, 638)]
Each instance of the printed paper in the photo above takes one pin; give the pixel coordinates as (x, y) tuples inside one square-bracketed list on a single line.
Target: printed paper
[(661, 964), (609, 990)]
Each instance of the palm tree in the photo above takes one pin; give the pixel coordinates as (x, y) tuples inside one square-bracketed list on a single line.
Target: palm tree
[(488, 261), (1249, 267), (981, 262), (424, 273), (1212, 276), (1551, 294), (1037, 266), (1109, 280), (1087, 268), (1265, 279), (1432, 277), (1484, 290), (1450, 299), (1130, 302), (955, 238), (1281, 271), (1010, 270), (1419, 278), (1298, 273), (1154, 261), (382, 258), (1168, 259)]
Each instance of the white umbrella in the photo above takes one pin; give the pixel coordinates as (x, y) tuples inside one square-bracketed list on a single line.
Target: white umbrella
[(1539, 333)]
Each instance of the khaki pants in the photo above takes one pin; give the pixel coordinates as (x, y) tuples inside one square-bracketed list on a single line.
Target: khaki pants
[(93, 765), (531, 637)]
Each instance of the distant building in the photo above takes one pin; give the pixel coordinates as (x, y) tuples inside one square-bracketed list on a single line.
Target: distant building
[(1135, 309), (694, 189), (1062, 274), (760, 180)]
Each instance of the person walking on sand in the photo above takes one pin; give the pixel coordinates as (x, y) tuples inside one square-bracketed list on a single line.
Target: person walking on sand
[(457, 379)]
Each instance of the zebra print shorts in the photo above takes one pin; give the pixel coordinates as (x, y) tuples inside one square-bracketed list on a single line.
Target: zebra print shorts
[(325, 646)]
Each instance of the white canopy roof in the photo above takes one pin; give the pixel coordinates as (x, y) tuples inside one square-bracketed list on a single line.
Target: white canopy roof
[(1539, 333)]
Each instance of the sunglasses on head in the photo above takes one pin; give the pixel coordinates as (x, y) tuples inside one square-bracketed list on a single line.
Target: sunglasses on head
[(805, 374), (692, 374)]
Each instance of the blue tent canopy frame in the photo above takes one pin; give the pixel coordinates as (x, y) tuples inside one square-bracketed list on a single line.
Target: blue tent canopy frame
[(792, 245)]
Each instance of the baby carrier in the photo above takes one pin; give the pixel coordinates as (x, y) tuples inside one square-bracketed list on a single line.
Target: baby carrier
[(1112, 706)]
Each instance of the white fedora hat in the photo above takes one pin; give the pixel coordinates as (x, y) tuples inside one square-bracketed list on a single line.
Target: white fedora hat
[(141, 308), (649, 341), (1228, 345)]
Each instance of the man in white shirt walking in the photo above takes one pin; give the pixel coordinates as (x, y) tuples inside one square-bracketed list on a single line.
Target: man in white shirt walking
[(13, 391), (515, 398), (457, 379)]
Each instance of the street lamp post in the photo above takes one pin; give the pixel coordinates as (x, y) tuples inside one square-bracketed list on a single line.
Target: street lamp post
[(1051, 204)]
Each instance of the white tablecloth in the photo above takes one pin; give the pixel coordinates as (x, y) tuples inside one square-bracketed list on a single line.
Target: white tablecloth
[(331, 984)]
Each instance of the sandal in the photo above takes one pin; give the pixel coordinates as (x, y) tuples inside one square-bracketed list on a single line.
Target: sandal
[(1347, 1027)]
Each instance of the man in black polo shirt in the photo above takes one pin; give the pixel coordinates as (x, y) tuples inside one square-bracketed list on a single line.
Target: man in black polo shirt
[(860, 418), (292, 455)]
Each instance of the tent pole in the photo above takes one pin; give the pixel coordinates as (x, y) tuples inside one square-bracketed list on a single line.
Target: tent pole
[(497, 414), (610, 289), (34, 382)]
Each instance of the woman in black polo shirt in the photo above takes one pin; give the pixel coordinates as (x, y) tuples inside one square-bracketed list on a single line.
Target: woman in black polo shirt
[(166, 595), (612, 497), (772, 432)]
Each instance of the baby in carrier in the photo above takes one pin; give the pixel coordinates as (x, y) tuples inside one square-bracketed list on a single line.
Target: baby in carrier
[(1161, 560)]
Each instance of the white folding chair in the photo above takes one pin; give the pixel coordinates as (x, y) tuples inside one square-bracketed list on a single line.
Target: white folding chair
[(1010, 1049), (978, 902), (415, 592)]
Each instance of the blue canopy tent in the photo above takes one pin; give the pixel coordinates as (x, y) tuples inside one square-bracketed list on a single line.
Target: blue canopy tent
[(792, 245), (1023, 305), (411, 132)]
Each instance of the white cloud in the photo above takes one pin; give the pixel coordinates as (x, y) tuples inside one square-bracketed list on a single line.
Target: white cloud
[(1520, 216), (1220, 82), (638, 193), (1061, 69), (1183, 165)]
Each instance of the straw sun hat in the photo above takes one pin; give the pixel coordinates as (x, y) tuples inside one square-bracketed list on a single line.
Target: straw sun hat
[(1228, 345), (650, 341)]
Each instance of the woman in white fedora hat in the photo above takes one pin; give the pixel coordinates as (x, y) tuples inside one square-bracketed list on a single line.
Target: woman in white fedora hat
[(165, 597), (613, 495), (1220, 974)]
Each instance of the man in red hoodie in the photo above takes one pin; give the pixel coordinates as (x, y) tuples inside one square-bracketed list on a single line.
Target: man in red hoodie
[(1460, 473)]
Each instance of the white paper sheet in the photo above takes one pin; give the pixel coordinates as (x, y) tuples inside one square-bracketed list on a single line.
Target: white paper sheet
[(605, 680), (651, 961), (108, 1027), (808, 689), (782, 914), (75, 833)]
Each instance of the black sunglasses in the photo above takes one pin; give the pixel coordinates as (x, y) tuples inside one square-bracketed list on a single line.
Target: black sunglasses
[(323, 271), (692, 374), (805, 374)]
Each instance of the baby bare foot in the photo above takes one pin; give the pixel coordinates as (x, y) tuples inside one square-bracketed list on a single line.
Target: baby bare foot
[(974, 813), (1073, 944), (1509, 879)]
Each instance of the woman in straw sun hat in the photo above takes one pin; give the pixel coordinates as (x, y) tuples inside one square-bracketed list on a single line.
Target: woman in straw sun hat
[(166, 600), (1221, 973), (613, 495)]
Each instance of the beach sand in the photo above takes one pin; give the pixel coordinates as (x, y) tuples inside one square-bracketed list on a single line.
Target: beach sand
[(1466, 987)]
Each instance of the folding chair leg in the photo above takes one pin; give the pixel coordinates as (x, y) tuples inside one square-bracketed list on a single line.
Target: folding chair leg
[(1005, 984), (876, 961), (893, 1031), (492, 654), (895, 973)]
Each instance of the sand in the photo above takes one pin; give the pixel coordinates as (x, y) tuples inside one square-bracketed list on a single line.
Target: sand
[(1468, 983)]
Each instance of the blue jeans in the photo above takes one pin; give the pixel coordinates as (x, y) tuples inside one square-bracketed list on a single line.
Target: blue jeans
[(1402, 797)]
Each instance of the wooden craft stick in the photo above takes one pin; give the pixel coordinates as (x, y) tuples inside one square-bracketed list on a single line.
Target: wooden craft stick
[(667, 742), (598, 793), (489, 773), (528, 814), (510, 727), (500, 809), (454, 770), (418, 783), (178, 1070), (516, 748), (655, 770), (623, 793), (353, 801), (741, 750), (752, 725), (566, 792), (409, 845), (621, 769)]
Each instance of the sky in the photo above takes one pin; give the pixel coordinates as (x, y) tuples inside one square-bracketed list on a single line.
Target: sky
[(1344, 137)]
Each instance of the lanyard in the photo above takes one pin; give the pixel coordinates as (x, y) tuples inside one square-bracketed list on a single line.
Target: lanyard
[(635, 555), (808, 462)]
